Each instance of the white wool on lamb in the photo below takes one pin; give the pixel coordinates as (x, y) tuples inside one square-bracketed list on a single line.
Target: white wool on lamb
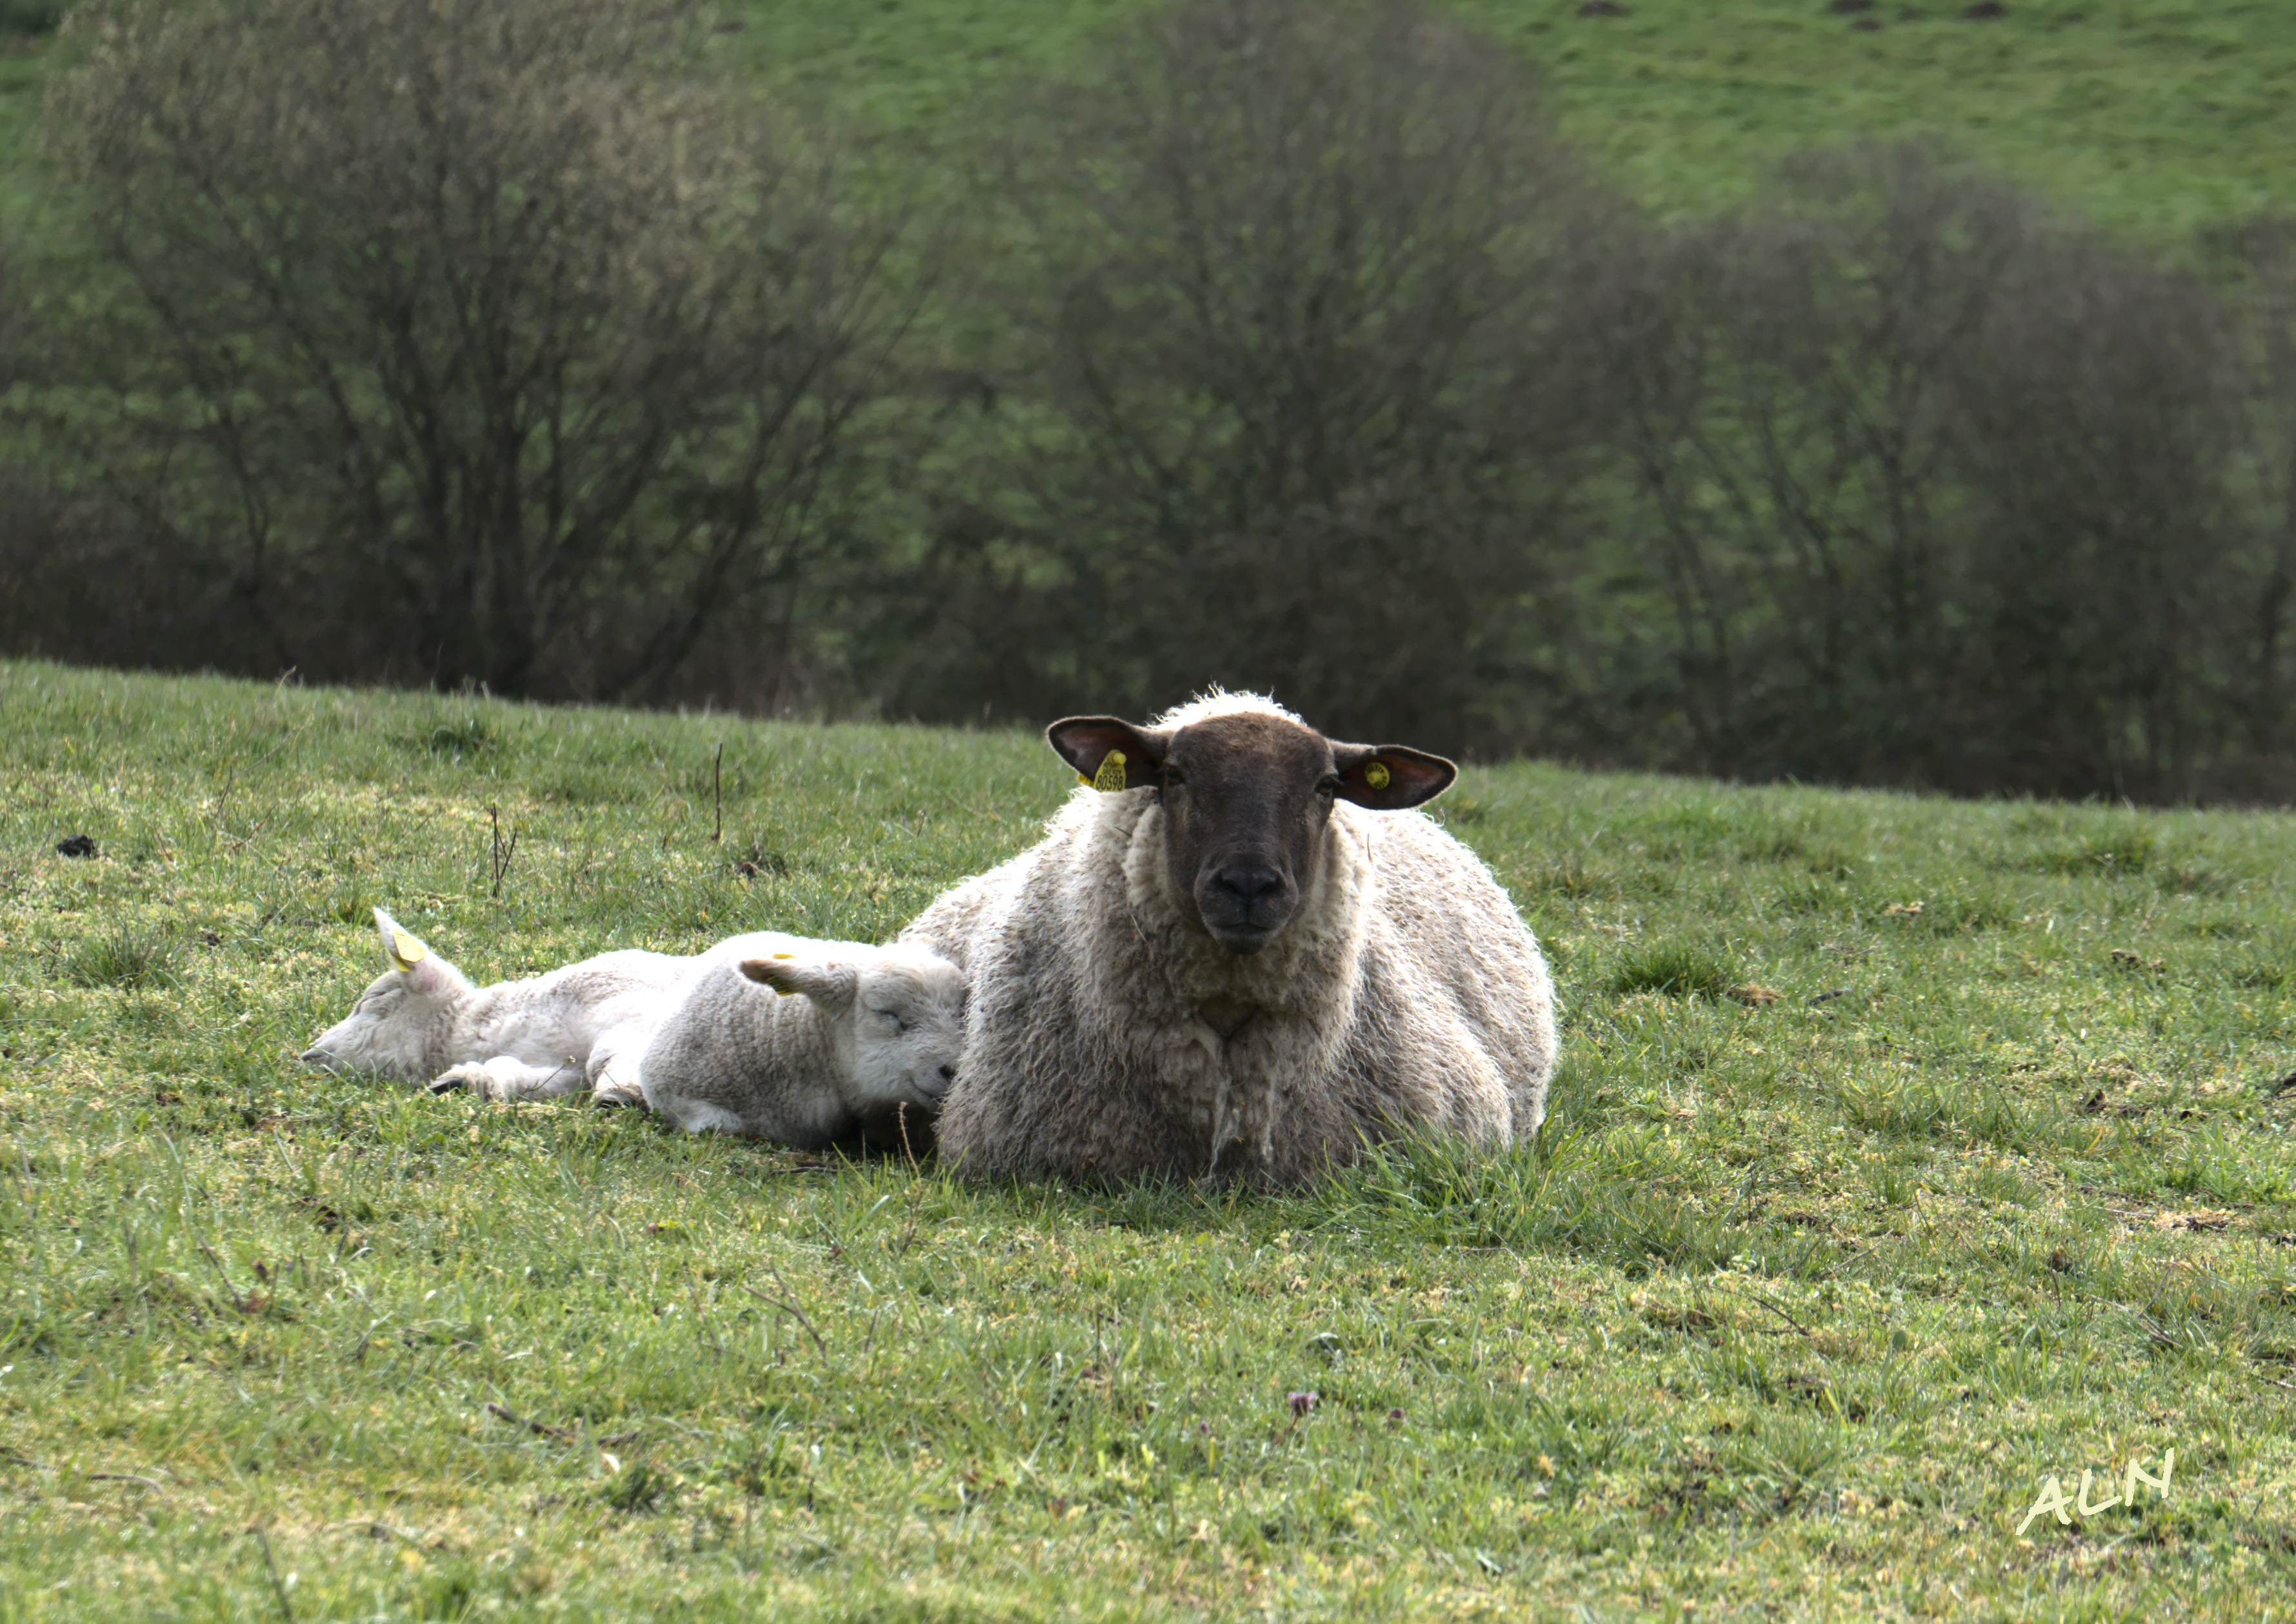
[(423, 1021), (780, 1036)]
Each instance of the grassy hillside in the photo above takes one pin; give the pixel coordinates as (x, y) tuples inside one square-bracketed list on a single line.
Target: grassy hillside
[(2150, 114), (2154, 114), (1809, 1296)]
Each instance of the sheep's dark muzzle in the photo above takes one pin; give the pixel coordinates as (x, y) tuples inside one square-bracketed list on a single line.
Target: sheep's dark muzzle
[(1244, 905)]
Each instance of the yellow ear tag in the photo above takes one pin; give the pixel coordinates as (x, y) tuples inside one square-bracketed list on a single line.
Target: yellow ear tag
[(406, 951), (1377, 775), (1111, 776)]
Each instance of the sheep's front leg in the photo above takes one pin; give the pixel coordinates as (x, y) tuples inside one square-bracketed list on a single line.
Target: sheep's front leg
[(507, 1078)]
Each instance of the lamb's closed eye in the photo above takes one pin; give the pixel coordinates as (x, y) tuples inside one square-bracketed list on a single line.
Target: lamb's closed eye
[(860, 1030)]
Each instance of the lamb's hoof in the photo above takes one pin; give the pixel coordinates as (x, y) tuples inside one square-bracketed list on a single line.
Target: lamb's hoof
[(472, 1078), (619, 1101)]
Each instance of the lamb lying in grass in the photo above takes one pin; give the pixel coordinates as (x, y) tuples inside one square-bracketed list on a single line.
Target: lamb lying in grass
[(859, 1032), (422, 1022)]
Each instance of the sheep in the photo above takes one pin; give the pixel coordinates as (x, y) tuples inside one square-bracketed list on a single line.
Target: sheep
[(860, 1034), (1239, 953), (422, 1022)]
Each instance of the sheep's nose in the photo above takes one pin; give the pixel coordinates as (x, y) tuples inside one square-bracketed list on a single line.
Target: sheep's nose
[(948, 1074), (1251, 881), (313, 1057)]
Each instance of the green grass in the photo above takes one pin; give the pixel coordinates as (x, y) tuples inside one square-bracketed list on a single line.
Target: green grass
[(2153, 115), (1802, 1305)]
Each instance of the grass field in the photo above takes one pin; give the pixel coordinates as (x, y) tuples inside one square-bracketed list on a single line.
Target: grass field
[(2155, 115), (1804, 1302), (2151, 115)]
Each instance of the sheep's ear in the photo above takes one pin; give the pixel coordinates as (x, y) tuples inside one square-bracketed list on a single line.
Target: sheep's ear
[(425, 971), (831, 986), (1389, 777), (1109, 754)]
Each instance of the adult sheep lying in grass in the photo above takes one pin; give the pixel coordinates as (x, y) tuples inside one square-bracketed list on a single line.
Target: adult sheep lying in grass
[(1244, 956), (858, 1033)]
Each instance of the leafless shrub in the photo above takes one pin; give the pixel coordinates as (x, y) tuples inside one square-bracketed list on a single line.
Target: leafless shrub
[(1290, 416), (1787, 377), (2098, 593), (476, 341), (1929, 482), (2255, 262)]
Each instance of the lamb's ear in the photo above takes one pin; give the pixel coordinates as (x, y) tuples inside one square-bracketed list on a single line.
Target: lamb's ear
[(425, 971), (1109, 754), (400, 946), (1389, 777), (831, 986)]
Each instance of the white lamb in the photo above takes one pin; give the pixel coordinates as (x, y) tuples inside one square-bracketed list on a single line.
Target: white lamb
[(422, 1022), (1240, 953), (860, 1032)]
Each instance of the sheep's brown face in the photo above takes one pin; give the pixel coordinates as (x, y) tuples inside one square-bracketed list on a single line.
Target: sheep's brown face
[(1247, 801)]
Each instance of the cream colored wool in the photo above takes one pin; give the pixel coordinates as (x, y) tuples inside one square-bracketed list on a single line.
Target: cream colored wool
[(423, 1021), (861, 1032), (773, 1035), (1407, 994)]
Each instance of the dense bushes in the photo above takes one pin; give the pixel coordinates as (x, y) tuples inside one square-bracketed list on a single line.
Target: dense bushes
[(1288, 347), (468, 341), (1932, 485), (1285, 287)]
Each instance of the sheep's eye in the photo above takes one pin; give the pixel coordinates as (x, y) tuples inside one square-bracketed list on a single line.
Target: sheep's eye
[(1328, 788), (899, 1025)]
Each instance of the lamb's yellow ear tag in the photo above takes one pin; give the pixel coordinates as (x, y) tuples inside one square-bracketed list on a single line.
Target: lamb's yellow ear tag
[(406, 951), (1111, 776), (1377, 775), (784, 956)]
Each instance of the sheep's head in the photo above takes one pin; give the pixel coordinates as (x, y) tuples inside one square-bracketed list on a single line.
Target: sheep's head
[(1247, 795), (391, 1028), (901, 1006)]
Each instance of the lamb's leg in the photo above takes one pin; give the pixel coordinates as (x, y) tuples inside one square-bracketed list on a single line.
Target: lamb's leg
[(507, 1078), (613, 1070)]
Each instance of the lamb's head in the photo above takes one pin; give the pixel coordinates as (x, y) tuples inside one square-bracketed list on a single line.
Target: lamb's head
[(1246, 790), (390, 1030), (900, 1011)]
